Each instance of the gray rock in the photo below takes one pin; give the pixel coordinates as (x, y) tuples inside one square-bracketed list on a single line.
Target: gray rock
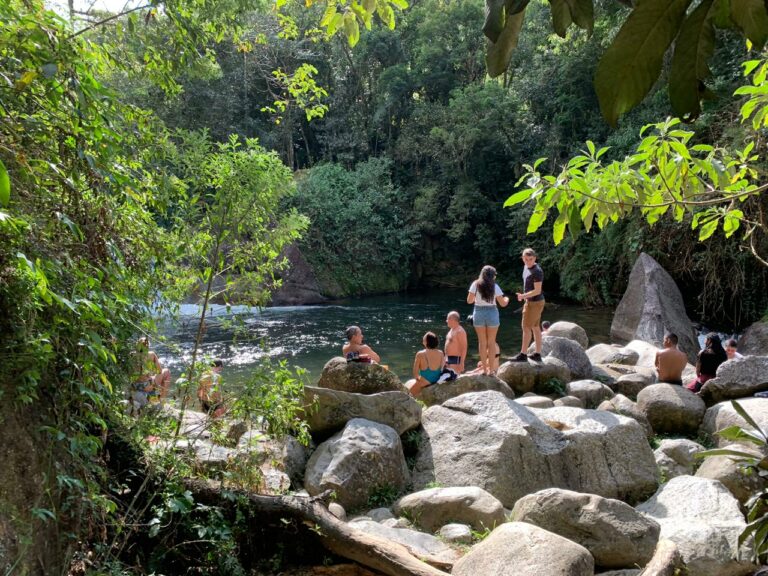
[(525, 550), (429, 509), (569, 352), (536, 402), (338, 374), (571, 331), (590, 392), (671, 409), (616, 534), (620, 404), (357, 461), (380, 514), (612, 354), (286, 454), (329, 410), (525, 377), (646, 353), (666, 561), (212, 456), (571, 401), (456, 533), (737, 378), (631, 384), (651, 306), (337, 510), (723, 415), (704, 520), (754, 341), (677, 457), (624, 572), (424, 546), (439, 393), (484, 439), (728, 471)]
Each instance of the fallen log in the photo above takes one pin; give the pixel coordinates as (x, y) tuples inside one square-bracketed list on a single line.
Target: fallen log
[(389, 558)]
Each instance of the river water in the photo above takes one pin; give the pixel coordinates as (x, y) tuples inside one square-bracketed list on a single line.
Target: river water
[(308, 336)]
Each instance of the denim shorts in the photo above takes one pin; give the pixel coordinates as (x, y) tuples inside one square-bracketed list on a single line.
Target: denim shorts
[(486, 316)]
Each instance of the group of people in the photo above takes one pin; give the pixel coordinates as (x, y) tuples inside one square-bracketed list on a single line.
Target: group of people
[(431, 364), (670, 361)]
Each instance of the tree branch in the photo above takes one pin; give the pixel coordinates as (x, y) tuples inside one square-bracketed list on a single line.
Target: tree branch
[(107, 20)]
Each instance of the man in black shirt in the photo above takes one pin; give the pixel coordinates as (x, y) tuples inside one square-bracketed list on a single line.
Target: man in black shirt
[(533, 278)]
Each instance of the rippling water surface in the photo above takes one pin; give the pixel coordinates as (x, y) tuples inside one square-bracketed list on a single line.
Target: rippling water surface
[(308, 336)]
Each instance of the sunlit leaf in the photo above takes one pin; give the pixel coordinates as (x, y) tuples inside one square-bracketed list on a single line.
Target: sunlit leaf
[(5, 185)]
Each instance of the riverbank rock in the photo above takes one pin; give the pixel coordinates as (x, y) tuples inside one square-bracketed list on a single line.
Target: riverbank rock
[(455, 534), (677, 457), (435, 507), (299, 284), (424, 546), (329, 410), (286, 453), (590, 392), (439, 393), (620, 404), (523, 377), (631, 384), (704, 520), (484, 439), (754, 341), (671, 409), (737, 378), (646, 353), (724, 415), (534, 401), (357, 377), (569, 352), (728, 471), (666, 561), (651, 306), (525, 550), (612, 354), (615, 534), (357, 461), (571, 401), (569, 330)]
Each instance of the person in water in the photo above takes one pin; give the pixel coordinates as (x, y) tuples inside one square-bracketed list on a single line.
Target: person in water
[(709, 361), (427, 365), (485, 294), (455, 343), (354, 350)]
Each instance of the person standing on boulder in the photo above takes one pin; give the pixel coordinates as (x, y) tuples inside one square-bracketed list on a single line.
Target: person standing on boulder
[(533, 279), (455, 343), (484, 293), (670, 362)]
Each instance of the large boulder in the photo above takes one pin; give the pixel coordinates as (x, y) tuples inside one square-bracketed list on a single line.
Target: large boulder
[(612, 354), (329, 410), (671, 409), (523, 377), (569, 330), (338, 374), (732, 474), (286, 453), (631, 384), (299, 284), (484, 439), (424, 546), (432, 508), (439, 393), (569, 352), (737, 378), (620, 404), (677, 457), (754, 341), (357, 461), (666, 561), (534, 401), (525, 550), (704, 520), (590, 392), (724, 415), (651, 306), (616, 534)]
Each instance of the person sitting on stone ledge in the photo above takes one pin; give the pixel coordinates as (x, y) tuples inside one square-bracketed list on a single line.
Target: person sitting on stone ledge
[(427, 365), (670, 362), (355, 350), (709, 361), (730, 349)]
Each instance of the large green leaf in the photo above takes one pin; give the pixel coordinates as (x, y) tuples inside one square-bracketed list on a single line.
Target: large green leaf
[(693, 49), (751, 16), (5, 185), (561, 16), (632, 63), (499, 52), (494, 19), (582, 13)]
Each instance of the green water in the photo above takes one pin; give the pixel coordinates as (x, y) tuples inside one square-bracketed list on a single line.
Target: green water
[(308, 336)]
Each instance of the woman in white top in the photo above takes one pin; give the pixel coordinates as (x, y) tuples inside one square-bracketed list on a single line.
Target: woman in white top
[(484, 293)]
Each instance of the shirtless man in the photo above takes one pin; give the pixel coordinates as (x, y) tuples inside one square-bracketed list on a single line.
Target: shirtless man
[(455, 343), (150, 380), (355, 350), (670, 362)]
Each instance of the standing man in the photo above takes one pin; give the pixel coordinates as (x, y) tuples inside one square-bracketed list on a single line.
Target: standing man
[(455, 343), (670, 362), (533, 278)]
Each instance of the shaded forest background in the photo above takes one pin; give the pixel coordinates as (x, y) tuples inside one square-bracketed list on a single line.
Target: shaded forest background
[(404, 176)]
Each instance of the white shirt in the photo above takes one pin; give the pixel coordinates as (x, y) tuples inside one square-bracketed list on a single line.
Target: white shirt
[(479, 301)]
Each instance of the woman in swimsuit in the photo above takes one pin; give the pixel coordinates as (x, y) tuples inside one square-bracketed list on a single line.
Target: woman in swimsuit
[(427, 365)]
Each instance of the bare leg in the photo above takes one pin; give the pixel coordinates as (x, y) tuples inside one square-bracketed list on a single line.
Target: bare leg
[(491, 332), (482, 347), (415, 386), (162, 383), (537, 338)]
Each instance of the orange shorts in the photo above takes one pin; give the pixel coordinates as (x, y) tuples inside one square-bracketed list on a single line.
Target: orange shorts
[(532, 313)]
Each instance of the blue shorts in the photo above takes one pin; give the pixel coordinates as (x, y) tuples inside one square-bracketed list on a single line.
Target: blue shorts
[(486, 316)]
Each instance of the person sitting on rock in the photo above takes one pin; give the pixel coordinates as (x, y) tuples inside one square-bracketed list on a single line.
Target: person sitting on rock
[(545, 326), (209, 390), (730, 349), (709, 361), (150, 381), (427, 365), (671, 361), (354, 350)]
